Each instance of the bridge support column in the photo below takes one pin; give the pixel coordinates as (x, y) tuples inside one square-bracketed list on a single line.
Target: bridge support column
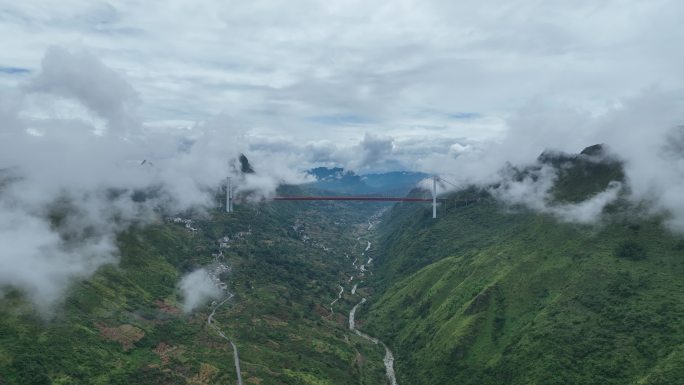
[(229, 196), (434, 196)]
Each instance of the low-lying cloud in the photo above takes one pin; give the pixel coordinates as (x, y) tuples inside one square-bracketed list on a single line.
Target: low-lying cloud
[(77, 167), (644, 132), (38, 260), (534, 190), (197, 288), (75, 159)]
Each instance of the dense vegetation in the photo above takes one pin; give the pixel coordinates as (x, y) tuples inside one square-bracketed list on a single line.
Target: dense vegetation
[(493, 294), (124, 325), (485, 294)]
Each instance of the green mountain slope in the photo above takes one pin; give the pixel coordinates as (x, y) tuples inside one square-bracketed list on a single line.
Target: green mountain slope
[(485, 294), (125, 326), (490, 294)]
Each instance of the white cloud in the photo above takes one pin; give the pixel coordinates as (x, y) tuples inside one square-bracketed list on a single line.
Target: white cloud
[(99, 88), (371, 151), (67, 185), (457, 88), (197, 288), (535, 192), (644, 131), (338, 69), (36, 259)]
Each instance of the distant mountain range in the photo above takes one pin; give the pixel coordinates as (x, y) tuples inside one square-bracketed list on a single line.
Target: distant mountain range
[(344, 181)]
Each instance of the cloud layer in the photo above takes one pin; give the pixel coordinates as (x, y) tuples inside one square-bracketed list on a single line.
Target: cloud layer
[(72, 156), (197, 288), (436, 86), (644, 132), (337, 69), (72, 173)]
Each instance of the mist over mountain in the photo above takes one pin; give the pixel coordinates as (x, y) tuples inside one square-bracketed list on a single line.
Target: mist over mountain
[(557, 259), (555, 256), (552, 251)]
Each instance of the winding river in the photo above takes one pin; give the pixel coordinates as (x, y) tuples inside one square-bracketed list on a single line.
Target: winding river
[(389, 357), (339, 296)]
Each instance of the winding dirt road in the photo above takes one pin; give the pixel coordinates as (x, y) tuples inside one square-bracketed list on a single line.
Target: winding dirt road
[(215, 275), (210, 321)]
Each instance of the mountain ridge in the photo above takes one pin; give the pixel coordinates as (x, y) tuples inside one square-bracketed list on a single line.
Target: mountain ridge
[(494, 294)]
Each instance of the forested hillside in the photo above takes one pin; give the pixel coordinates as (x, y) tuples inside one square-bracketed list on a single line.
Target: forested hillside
[(126, 325), (490, 292), (493, 293)]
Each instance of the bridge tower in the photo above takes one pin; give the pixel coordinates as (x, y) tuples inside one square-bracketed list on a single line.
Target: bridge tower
[(434, 196), (229, 196)]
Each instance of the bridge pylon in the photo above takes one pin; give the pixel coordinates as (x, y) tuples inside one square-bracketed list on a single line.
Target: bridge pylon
[(434, 196), (229, 196)]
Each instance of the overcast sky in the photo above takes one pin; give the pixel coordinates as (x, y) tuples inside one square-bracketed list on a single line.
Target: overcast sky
[(336, 70)]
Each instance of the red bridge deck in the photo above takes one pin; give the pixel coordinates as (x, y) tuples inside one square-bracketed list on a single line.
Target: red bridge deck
[(350, 198)]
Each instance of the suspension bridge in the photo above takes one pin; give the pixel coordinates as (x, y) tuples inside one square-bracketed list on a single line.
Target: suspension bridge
[(434, 199)]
